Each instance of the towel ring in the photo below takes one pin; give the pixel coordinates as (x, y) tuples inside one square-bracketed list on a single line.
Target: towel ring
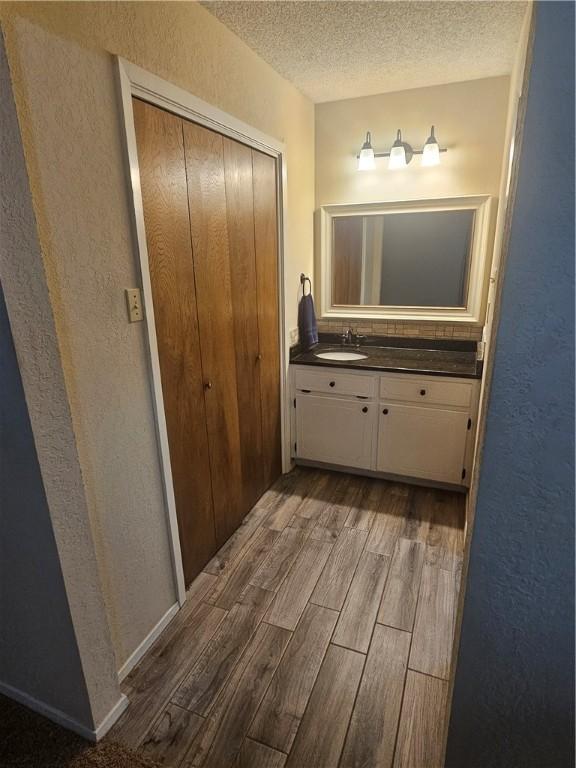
[(303, 280)]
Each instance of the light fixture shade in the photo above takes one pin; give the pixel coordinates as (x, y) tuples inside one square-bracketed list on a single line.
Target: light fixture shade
[(431, 151), (366, 161), (397, 154), (397, 158)]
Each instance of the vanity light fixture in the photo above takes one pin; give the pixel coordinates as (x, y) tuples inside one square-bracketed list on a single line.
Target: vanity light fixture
[(400, 154)]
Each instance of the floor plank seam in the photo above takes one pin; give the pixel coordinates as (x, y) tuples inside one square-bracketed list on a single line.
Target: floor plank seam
[(391, 626), (207, 713), (365, 655), (168, 698), (427, 674), (275, 591), (248, 729), (328, 644), (276, 749), (348, 648), (406, 670), (256, 711), (362, 553), (359, 683)]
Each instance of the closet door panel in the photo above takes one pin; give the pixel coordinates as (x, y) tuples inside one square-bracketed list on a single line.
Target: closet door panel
[(210, 246), (165, 200), (266, 243), (240, 214)]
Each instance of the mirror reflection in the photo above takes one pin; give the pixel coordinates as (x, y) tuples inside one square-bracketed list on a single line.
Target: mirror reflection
[(411, 259)]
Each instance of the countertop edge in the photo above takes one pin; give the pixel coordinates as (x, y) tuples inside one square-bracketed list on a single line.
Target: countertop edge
[(388, 369)]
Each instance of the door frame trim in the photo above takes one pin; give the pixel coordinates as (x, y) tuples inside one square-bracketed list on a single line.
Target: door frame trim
[(134, 81)]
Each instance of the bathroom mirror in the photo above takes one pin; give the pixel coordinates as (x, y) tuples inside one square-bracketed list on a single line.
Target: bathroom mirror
[(417, 259)]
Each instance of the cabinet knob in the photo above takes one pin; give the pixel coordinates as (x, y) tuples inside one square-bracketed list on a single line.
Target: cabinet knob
[(385, 411), (332, 383), (208, 384), (258, 357), (422, 392), (365, 409)]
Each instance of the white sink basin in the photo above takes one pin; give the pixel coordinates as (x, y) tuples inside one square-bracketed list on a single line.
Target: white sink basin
[(341, 355)]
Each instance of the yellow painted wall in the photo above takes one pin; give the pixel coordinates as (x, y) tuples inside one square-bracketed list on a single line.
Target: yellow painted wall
[(470, 120), (64, 85)]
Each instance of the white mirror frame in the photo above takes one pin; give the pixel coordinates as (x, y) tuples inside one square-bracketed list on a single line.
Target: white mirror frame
[(479, 268)]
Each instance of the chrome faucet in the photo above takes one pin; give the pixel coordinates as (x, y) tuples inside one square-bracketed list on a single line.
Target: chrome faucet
[(351, 336), (348, 336)]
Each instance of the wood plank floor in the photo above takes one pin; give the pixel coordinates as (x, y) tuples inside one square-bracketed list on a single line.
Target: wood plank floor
[(320, 636)]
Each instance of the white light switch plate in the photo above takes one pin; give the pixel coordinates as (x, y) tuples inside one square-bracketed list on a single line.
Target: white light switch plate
[(134, 303)]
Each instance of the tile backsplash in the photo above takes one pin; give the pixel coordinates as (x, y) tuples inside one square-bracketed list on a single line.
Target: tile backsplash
[(412, 328)]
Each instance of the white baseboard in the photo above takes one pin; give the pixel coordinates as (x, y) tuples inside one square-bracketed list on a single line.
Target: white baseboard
[(153, 635), (111, 717), (61, 718)]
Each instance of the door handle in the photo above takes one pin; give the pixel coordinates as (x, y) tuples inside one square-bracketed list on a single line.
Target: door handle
[(365, 409), (385, 411)]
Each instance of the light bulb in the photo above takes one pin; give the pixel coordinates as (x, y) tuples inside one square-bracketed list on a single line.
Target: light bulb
[(366, 161), (431, 151), (397, 158)]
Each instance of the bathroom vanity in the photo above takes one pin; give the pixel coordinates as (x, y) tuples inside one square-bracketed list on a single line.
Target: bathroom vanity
[(395, 407), (397, 412)]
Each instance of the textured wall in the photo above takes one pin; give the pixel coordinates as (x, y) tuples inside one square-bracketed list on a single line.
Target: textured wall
[(85, 236), (514, 692), (65, 92), (186, 45), (38, 671)]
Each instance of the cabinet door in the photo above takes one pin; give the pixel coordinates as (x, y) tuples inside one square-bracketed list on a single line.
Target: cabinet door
[(335, 431), (422, 442), (165, 201), (210, 246)]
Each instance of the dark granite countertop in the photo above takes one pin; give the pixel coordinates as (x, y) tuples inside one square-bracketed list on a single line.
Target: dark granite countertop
[(431, 357)]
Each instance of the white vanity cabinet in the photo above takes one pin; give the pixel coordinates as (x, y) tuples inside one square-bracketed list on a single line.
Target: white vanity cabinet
[(398, 424)]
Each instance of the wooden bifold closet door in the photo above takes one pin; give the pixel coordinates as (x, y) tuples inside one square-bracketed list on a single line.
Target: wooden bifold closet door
[(211, 230)]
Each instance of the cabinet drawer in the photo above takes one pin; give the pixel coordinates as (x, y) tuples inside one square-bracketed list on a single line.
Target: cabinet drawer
[(436, 391), (337, 383)]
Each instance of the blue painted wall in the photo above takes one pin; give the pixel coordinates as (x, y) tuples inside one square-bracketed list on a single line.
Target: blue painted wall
[(38, 651), (514, 692)]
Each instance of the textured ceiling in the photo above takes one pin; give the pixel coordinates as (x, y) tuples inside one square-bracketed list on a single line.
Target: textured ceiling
[(338, 50)]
